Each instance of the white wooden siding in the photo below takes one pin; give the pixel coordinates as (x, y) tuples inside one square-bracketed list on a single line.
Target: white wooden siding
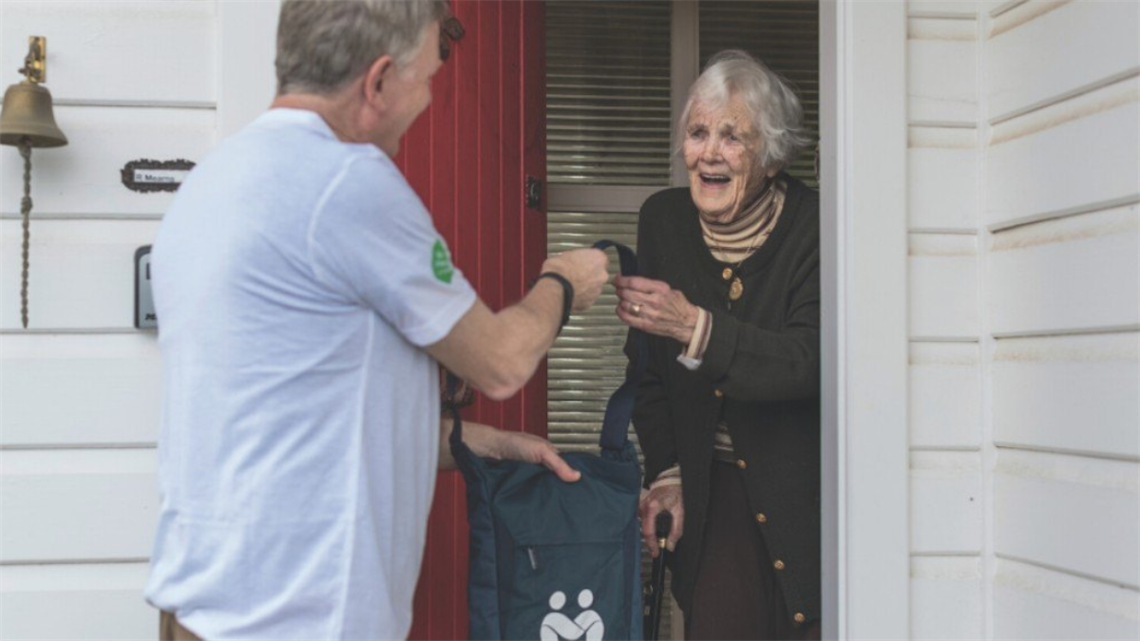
[(946, 598), (1031, 602), (81, 389), (119, 52), (1077, 46), (82, 273), (942, 166), (943, 288), (1061, 296), (84, 179), (945, 396), (946, 503), (1077, 155), (1072, 274), (1073, 394), (1024, 306), (64, 390), (77, 505), (947, 494), (93, 601), (1024, 353)]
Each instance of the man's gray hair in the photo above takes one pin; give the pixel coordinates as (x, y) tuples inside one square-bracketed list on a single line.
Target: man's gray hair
[(322, 45), (776, 112)]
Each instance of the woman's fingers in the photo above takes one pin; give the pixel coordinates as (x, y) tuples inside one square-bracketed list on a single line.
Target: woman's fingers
[(641, 284), (678, 526), (649, 517)]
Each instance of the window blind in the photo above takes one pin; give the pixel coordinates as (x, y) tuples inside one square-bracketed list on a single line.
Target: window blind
[(784, 34), (607, 92)]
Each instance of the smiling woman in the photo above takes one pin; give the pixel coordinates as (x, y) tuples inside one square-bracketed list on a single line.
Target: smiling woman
[(728, 412)]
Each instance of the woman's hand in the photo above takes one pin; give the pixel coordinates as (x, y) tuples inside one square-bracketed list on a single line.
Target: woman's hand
[(654, 307), (659, 499)]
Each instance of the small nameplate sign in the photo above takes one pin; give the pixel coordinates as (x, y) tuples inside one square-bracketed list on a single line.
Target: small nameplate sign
[(155, 175), (160, 176)]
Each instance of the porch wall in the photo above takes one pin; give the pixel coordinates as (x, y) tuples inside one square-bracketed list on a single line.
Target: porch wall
[(1024, 270), (80, 388)]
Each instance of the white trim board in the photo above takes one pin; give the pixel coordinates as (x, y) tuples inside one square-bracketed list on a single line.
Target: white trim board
[(863, 249)]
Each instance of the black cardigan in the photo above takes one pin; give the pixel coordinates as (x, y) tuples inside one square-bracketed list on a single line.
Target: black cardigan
[(760, 374)]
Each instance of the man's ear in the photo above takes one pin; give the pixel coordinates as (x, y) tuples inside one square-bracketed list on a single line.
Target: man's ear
[(379, 71)]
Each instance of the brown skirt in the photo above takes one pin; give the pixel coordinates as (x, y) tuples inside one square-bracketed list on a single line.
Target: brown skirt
[(737, 594)]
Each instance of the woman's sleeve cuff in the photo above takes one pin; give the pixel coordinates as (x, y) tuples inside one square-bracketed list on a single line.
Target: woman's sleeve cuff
[(671, 476), (721, 345), (695, 351)]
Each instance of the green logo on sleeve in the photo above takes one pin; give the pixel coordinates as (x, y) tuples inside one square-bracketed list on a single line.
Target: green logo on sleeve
[(441, 263)]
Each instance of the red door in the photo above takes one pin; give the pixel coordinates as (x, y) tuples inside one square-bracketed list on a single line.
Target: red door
[(469, 157)]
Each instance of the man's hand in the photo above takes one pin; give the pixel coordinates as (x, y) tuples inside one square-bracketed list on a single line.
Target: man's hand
[(663, 498), (586, 271), (489, 442), (520, 446)]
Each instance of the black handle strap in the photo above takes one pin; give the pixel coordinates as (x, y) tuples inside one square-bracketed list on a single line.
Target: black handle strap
[(619, 410)]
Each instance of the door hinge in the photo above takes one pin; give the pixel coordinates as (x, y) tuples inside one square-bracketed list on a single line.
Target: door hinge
[(533, 193)]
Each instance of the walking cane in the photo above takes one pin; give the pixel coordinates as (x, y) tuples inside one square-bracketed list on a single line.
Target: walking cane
[(656, 589)]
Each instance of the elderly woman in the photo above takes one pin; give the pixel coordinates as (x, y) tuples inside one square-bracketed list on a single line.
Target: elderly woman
[(728, 412)]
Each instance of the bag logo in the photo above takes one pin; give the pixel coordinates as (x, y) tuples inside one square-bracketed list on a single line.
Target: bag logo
[(559, 627), (441, 263)]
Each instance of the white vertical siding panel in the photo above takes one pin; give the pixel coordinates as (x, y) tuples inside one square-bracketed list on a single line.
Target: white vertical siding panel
[(1066, 157), (120, 51), (1070, 513), (945, 395), (941, 80), (946, 598), (943, 285), (95, 601), (84, 177), (79, 389), (77, 505), (942, 188), (1072, 393), (1075, 273), (1036, 603), (945, 502), (82, 273), (1060, 52)]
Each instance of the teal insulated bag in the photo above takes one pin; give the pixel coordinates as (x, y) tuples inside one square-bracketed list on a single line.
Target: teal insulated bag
[(551, 560)]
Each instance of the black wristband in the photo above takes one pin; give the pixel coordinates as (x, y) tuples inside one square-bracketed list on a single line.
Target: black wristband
[(567, 295)]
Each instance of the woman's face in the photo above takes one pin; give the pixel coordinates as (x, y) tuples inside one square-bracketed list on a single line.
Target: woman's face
[(720, 153)]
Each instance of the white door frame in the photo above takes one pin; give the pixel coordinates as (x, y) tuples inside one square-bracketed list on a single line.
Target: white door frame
[(864, 336)]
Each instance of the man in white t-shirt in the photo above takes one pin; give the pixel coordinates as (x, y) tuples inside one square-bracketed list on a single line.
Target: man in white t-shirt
[(304, 300)]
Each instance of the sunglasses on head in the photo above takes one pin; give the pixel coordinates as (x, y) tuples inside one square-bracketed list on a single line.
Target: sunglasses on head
[(451, 31)]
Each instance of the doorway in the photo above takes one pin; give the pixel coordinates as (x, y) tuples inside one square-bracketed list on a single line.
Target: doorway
[(617, 73)]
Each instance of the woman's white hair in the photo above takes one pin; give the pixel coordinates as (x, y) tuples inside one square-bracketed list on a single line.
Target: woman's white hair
[(322, 45), (775, 110)]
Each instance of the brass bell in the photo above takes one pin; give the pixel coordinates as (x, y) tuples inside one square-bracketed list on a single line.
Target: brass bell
[(27, 122), (27, 115)]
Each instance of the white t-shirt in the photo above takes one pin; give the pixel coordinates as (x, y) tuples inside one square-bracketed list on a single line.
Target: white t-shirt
[(296, 280)]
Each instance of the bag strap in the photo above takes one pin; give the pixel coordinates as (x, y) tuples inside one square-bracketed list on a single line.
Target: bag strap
[(619, 410)]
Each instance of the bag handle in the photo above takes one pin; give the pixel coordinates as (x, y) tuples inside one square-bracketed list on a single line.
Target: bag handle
[(619, 410)]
